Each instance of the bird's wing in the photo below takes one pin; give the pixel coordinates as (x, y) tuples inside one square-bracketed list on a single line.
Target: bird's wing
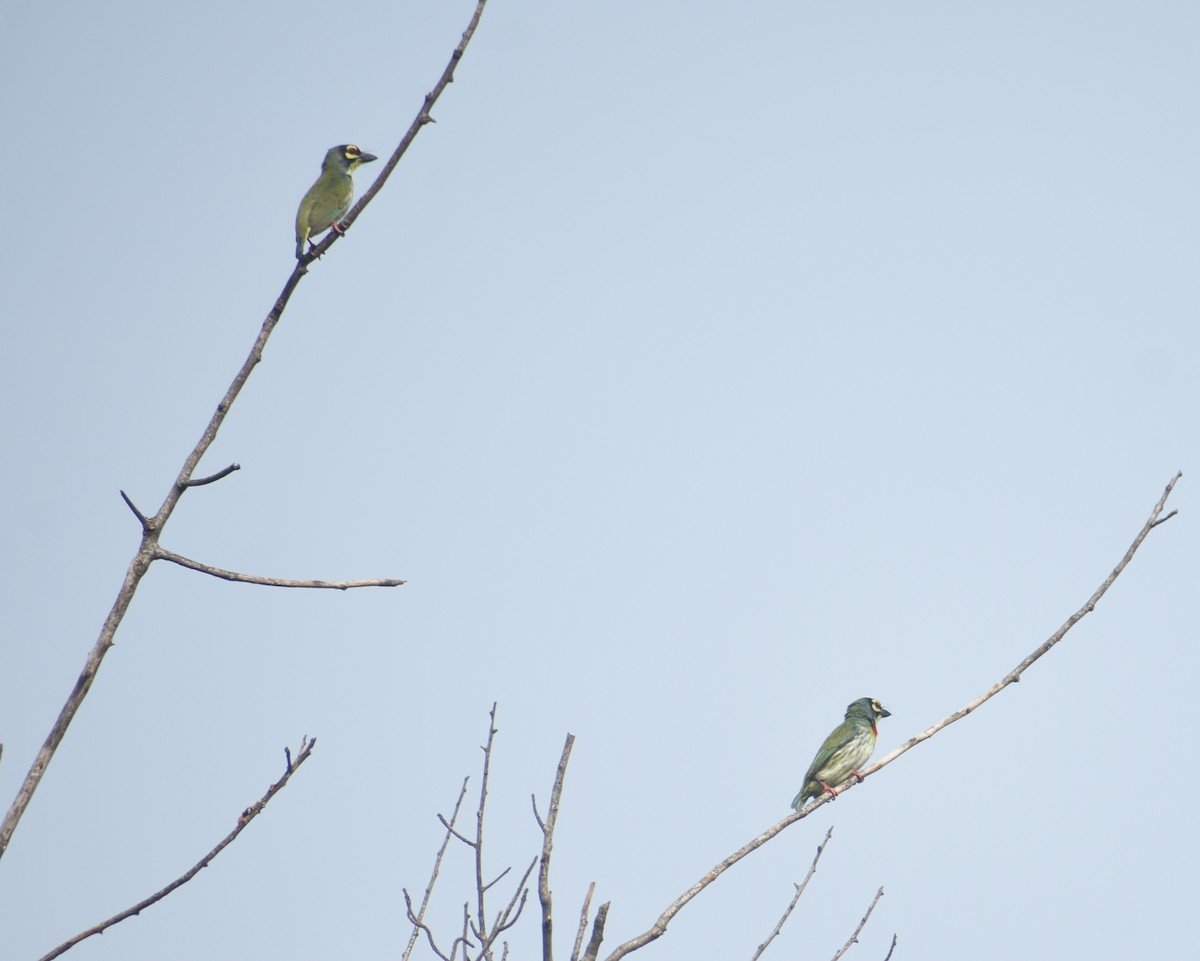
[(329, 208), (838, 738)]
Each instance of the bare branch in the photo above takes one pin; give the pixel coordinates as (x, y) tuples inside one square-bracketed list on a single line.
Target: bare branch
[(419, 925), (660, 926), (246, 817), (152, 526), (480, 886), (888, 956), (420, 121), (419, 920), (507, 918), (1163, 520), (491, 884), (583, 916), (593, 948), (147, 527), (161, 553), (464, 938), (1015, 674), (544, 895), (211, 478), (861, 924), (812, 869), (450, 827)]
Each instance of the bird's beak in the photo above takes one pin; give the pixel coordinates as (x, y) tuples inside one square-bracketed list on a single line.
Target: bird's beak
[(366, 158), (884, 712)]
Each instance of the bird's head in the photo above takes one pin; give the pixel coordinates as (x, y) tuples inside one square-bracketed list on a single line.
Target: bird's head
[(869, 709), (347, 157)]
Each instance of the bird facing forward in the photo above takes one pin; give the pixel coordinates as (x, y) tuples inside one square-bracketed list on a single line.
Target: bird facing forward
[(844, 751), (329, 197)]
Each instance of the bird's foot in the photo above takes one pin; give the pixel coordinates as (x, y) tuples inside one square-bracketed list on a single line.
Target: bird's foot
[(857, 776), (832, 793)]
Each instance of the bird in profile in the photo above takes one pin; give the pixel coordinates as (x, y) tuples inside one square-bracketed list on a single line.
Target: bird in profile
[(329, 197), (847, 748)]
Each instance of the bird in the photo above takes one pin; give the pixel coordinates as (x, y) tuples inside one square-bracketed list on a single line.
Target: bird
[(329, 197), (844, 751)]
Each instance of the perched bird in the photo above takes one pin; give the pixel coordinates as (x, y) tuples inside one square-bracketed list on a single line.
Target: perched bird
[(844, 751), (329, 198)]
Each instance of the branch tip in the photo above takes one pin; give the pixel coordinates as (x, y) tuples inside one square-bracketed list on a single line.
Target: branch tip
[(147, 526)]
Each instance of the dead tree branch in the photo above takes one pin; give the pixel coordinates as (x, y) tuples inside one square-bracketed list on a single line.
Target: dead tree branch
[(812, 869), (423, 117), (659, 927), (244, 819), (1013, 676), (593, 948), (477, 845), (547, 826), (147, 551), (511, 912), (583, 917), (162, 554), (213, 478), (861, 924), (418, 919)]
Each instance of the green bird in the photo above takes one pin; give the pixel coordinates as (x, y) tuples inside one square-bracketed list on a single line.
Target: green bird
[(844, 751), (329, 197)]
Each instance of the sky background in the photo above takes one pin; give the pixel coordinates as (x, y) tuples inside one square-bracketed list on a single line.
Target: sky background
[(704, 368)]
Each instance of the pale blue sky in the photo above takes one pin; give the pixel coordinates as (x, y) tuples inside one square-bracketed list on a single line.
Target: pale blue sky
[(704, 368)]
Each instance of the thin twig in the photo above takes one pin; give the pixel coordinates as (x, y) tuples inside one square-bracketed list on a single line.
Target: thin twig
[(497, 879), (246, 817), (659, 927), (419, 925), (212, 478), (464, 939), (583, 916), (151, 527), (142, 518), (433, 876), (450, 827), (812, 869), (861, 924), (506, 919), (161, 553), (547, 826), (480, 886), (888, 956)]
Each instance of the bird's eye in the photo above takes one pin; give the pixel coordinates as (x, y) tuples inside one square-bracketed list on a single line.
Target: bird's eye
[(352, 151)]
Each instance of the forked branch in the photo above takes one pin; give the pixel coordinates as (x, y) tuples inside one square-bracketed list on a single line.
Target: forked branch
[(418, 918), (149, 551), (812, 869)]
